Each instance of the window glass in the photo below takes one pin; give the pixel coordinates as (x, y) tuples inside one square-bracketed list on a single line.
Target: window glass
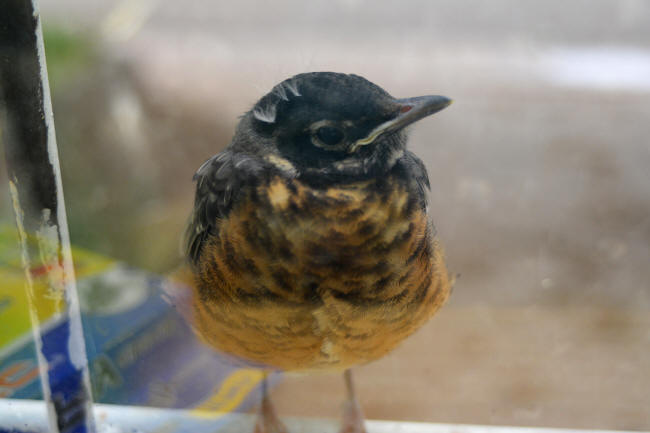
[(539, 197)]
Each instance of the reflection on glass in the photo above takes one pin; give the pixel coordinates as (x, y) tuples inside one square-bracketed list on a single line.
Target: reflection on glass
[(539, 192)]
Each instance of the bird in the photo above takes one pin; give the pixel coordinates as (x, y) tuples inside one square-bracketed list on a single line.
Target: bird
[(310, 243)]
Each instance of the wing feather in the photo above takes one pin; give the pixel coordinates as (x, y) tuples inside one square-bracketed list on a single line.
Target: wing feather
[(219, 181)]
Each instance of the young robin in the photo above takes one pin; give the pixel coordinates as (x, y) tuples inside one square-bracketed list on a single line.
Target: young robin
[(309, 242)]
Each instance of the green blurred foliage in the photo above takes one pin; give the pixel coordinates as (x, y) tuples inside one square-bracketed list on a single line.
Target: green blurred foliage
[(67, 54), (127, 156)]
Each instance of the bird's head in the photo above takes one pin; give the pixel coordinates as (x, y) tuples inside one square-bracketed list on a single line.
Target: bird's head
[(329, 126)]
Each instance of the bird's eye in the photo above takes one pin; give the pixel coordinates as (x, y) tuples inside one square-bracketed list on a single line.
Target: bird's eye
[(329, 135)]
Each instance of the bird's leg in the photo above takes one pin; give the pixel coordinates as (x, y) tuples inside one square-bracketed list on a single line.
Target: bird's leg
[(267, 419), (352, 413)]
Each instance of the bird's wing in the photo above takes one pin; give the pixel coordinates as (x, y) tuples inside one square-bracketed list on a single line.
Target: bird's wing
[(218, 183)]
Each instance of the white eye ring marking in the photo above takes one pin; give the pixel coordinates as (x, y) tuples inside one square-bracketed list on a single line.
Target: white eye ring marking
[(313, 130)]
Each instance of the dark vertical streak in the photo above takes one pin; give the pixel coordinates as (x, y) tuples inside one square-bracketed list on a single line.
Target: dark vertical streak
[(21, 96), (25, 137)]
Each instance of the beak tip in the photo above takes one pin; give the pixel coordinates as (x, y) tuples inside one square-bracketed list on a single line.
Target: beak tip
[(410, 110), (436, 103)]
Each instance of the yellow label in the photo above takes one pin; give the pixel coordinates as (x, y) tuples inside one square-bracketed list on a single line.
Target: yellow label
[(14, 307), (230, 393)]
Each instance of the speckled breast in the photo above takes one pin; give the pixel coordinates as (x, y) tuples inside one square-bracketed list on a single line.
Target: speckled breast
[(300, 278)]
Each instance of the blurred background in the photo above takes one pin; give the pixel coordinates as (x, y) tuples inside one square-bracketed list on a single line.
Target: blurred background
[(540, 176)]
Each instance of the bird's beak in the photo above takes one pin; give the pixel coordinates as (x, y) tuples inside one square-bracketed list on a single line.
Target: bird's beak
[(409, 110)]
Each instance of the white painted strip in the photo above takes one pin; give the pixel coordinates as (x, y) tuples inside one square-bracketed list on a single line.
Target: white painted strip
[(76, 345), (28, 414), (29, 288)]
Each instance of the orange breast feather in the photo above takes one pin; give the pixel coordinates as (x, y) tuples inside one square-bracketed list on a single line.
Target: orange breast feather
[(301, 279)]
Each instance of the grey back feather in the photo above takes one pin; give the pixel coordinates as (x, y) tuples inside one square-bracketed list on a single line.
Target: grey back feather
[(219, 181)]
